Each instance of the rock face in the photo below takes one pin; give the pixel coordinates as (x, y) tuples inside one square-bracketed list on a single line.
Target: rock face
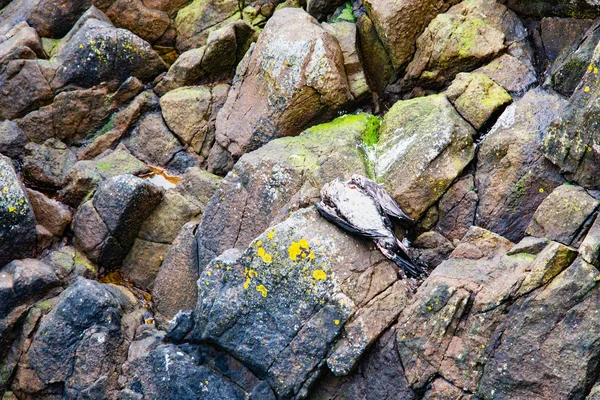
[(17, 221), (400, 23), (477, 98), (111, 53), (191, 112), (556, 8), (568, 69), (423, 145), (105, 226), (469, 35), (158, 234), (513, 177), (279, 306), (562, 215), (572, 142), (195, 21), (293, 77), (282, 176), (79, 344)]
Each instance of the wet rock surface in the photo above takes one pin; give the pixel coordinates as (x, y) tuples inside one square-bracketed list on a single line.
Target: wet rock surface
[(159, 165)]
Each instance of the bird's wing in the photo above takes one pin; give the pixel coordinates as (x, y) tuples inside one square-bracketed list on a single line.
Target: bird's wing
[(398, 255), (330, 214), (383, 198)]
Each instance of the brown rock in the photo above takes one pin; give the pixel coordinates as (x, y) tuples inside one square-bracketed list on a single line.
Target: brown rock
[(477, 98), (562, 214), (423, 145), (191, 113), (24, 88), (133, 15), (457, 209), (400, 23), (175, 285), (50, 213), (512, 176), (293, 77), (482, 28)]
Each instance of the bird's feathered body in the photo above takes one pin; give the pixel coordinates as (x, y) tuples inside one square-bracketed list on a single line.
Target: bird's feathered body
[(363, 207)]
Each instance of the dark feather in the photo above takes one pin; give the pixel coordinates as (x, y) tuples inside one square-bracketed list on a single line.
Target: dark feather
[(381, 196)]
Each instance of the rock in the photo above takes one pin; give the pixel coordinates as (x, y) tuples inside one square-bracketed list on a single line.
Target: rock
[(24, 88), (76, 115), (143, 261), (556, 8), (378, 376), (460, 316), (12, 140), (562, 214), (554, 324), (347, 37), (195, 21), (571, 142), (529, 245), (431, 249), (50, 213), (561, 33), (85, 176), (320, 9), (22, 283), (512, 176), (21, 35), (153, 142), (399, 24), (183, 204), (79, 344), (515, 76), (280, 305), (441, 389), (105, 227), (423, 146), (17, 221), (191, 113), (589, 250), (47, 165), (568, 69), (286, 84), (135, 16), (96, 51), (225, 47), (457, 209), (175, 285), (69, 263), (483, 30), (376, 61), (282, 176), (169, 373), (477, 98)]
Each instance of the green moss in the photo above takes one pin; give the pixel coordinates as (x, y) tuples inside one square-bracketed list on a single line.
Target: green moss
[(344, 14), (108, 126), (467, 33)]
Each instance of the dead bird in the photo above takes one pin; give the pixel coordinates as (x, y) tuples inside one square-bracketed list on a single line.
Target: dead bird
[(364, 208)]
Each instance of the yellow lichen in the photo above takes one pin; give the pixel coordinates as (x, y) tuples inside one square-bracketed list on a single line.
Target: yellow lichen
[(262, 289), (260, 252), (11, 209), (294, 251), (271, 235), (587, 89), (311, 255), (303, 243), (267, 258), (319, 275), (337, 322)]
